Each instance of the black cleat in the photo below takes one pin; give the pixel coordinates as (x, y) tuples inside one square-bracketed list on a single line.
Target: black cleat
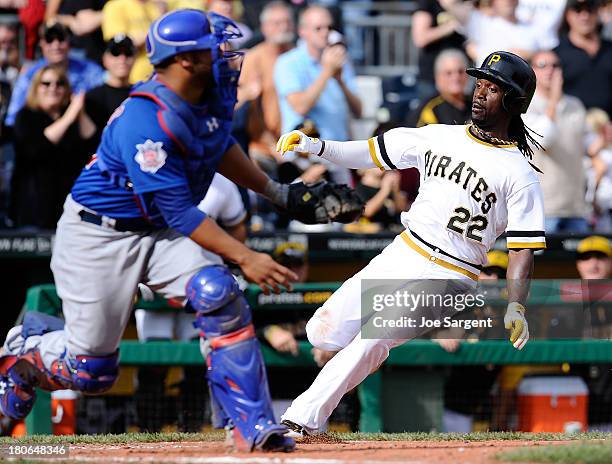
[(6, 425), (279, 443), (296, 431)]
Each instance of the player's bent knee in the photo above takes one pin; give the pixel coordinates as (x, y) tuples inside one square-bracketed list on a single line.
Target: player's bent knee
[(318, 332)]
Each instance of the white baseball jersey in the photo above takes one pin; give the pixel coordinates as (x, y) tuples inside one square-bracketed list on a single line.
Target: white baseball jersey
[(223, 202), (471, 191)]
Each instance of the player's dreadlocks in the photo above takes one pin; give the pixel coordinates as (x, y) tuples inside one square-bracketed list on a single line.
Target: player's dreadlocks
[(518, 132)]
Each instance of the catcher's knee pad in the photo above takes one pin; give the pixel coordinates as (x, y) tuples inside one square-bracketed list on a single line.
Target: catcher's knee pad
[(35, 323), (235, 369), (22, 368), (89, 374), (215, 296), (86, 373)]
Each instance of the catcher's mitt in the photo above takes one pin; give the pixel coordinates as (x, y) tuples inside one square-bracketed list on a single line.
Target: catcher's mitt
[(323, 202)]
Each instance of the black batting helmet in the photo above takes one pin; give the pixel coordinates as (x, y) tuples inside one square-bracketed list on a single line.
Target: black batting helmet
[(512, 73)]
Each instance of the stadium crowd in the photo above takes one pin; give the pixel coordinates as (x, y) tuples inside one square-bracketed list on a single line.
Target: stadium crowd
[(66, 65)]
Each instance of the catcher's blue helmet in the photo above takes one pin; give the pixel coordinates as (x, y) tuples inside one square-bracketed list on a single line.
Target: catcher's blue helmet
[(186, 30)]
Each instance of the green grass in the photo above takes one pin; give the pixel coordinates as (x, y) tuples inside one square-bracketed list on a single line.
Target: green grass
[(574, 453), (126, 438), (474, 436)]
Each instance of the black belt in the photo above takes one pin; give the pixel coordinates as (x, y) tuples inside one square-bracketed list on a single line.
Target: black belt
[(120, 224), (442, 252)]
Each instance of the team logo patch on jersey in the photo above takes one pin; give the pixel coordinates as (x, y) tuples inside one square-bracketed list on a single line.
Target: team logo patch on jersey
[(150, 156)]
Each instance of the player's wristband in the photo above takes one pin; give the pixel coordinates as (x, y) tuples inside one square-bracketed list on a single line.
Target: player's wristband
[(277, 193), (322, 148)]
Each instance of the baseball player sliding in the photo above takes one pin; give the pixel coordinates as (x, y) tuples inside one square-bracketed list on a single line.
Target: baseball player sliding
[(132, 218), (476, 183)]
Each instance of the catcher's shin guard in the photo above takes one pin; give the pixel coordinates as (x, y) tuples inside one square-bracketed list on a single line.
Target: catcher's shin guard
[(22, 368), (238, 383), (236, 372)]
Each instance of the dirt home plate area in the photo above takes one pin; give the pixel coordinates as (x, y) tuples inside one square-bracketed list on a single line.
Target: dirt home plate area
[(317, 452)]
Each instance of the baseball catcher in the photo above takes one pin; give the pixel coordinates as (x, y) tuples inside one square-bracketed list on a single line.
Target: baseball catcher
[(132, 218)]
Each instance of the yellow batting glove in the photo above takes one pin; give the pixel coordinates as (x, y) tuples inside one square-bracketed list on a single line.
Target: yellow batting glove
[(515, 321), (298, 142)]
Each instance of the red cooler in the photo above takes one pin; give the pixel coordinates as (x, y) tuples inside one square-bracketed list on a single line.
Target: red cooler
[(552, 404)]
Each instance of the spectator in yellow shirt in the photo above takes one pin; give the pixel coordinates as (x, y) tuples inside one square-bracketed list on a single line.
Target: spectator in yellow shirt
[(195, 4), (133, 18)]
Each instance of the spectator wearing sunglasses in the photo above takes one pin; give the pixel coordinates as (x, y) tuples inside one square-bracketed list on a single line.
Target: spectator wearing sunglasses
[(84, 19), (118, 60), (53, 141), (55, 47), (586, 58), (560, 119), (133, 18)]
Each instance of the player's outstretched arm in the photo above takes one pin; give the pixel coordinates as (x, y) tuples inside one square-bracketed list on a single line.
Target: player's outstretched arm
[(259, 268), (520, 270), (313, 204), (353, 155)]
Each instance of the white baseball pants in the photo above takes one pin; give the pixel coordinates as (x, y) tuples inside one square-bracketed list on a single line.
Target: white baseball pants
[(337, 324)]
